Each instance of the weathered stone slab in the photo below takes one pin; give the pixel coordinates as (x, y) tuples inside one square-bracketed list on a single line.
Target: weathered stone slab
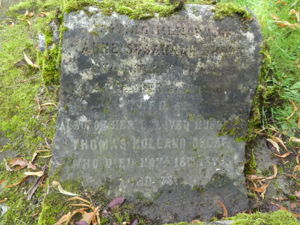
[(142, 105)]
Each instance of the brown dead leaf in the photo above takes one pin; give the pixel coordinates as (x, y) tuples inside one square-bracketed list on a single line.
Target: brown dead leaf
[(261, 189), (29, 62), (91, 217), (4, 200), (18, 183), (274, 144), (283, 156), (22, 163), (64, 219), (274, 173), (80, 199), (297, 168), (82, 205), (279, 141), (225, 211), (285, 209), (37, 183), (2, 181), (287, 24), (254, 177)]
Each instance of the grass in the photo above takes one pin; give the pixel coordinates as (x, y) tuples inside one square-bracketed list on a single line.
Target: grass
[(279, 90), (24, 89)]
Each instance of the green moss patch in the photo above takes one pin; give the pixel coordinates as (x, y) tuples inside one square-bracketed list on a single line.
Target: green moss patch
[(276, 218), (229, 9), (140, 9)]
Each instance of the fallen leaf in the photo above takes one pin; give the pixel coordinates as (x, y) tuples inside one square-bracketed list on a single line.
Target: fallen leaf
[(297, 168), (285, 209), (279, 141), (294, 139), (274, 144), (297, 194), (29, 62), (38, 174), (37, 183), (82, 205), (91, 217), (4, 200), (18, 183), (116, 202), (134, 222), (2, 181), (22, 163), (80, 199), (87, 217), (64, 219), (287, 24), (61, 190), (254, 177), (225, 211), (283, 156), (261, 189), (274, 173)]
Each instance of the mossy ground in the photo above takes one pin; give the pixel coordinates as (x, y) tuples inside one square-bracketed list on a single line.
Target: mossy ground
[(30, 126)]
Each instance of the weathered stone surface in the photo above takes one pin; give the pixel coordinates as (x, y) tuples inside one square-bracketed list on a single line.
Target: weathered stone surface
[(142, 105)]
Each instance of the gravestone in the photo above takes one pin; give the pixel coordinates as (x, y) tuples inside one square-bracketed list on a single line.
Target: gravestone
[(143, 105)]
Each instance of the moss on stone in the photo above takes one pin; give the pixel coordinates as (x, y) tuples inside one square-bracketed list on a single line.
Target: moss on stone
[(235, 128), (224, 9), (276, 218), (140, 9), (251, 164)]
